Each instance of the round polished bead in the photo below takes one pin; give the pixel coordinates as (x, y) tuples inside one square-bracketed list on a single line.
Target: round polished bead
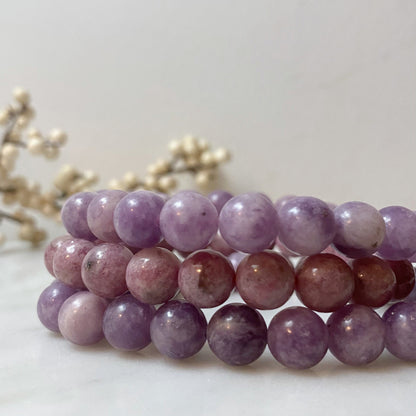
[(356, 334), (297, 337), (50, 251), (236, 258), (74, 215), (400, 240), (237, 334), (405, 278), (136, 219), (206, 278), (178, 329), (360, 229), (152, 275), (374, 281), (324, 282), (248, 222), (282, 201), (68, 259), (219, 244), (400, 322), (126, 323), (306, 225), (50, 302), (100, 215), (283, 250), (189, 221), (80, 318), (265, 280), (219, 198), (104, 269)]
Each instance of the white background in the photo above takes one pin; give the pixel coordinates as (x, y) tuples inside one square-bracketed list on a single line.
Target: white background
[(312, 97)]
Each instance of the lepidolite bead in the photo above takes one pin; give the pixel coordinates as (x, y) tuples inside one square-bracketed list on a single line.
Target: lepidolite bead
[(297, 337), (126, 323), (178, 330), (219, 244), (356, 334), (265, 280), (324, 282), (152, 275), (405, 278), (206, 278), (219, 198), (104, 269), (50, 251), (237, 334)]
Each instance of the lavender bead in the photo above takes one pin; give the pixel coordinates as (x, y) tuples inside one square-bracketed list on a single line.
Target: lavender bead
[(50, 302), (178, 329), (126, 323), (189, 221), (306, 225), (100, 215), (281, 202), (400, 322), (74, 215), (360, 229), (356, 334), (220, 245), (80, 318), (297, 337), (136, 219), (400, 240), (248, 222), (50, 251), (237, 334), (219, 198), (236, 258)]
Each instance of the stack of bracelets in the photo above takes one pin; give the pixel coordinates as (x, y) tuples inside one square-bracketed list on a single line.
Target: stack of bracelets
[(118, 276)]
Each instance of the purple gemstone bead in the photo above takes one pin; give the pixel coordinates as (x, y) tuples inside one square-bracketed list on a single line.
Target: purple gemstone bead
[(297, 337), (237, 334), (248, 222), (400, 322), (400, 240), (220, 245), (51, 250), (189, 221), (219, 198), (356, 334), (100, 215), (178, 329), (236, 258), (126, 323), (50, 302), (281, 202), (136, 219), (360, 229), (74, 215), (306, 225)]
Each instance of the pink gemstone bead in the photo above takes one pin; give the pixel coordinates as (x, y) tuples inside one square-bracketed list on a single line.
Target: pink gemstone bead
[(51, 250)]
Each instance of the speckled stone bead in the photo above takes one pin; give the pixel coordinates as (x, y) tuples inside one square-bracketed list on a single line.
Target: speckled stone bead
[(237, 334), (219, 198), (178, 329), (50, 251), (356, 334), (405, 278)]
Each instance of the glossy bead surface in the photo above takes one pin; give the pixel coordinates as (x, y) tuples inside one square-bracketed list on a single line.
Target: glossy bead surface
[(306, 225), (356, 334), (405, 278), (152, 275), (220, 245), (219, 198), (248, 222), (50, 251), (237, 334), (178, 329), (265, 280), (126, 323), (324, 282), (297, 337), (236, 258)]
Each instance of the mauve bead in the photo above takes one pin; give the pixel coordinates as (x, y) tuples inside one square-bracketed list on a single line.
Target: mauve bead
[(297, 337), (237, 334), (281, 202), (206, 278), (248, 222), (324, 282), (405, 278), (400, 240), (220, 245), (104, 269), (68, 259), (283, 249), (152, 275), (356, 334), (126, 323), (360, 229), (80, 318), (219, 198), (50, 251), (400, 322), (100, 215), (236, 258), (265, 280), (74, 215), (374, 281), (50, 301), (306, 225), (178, 329)]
